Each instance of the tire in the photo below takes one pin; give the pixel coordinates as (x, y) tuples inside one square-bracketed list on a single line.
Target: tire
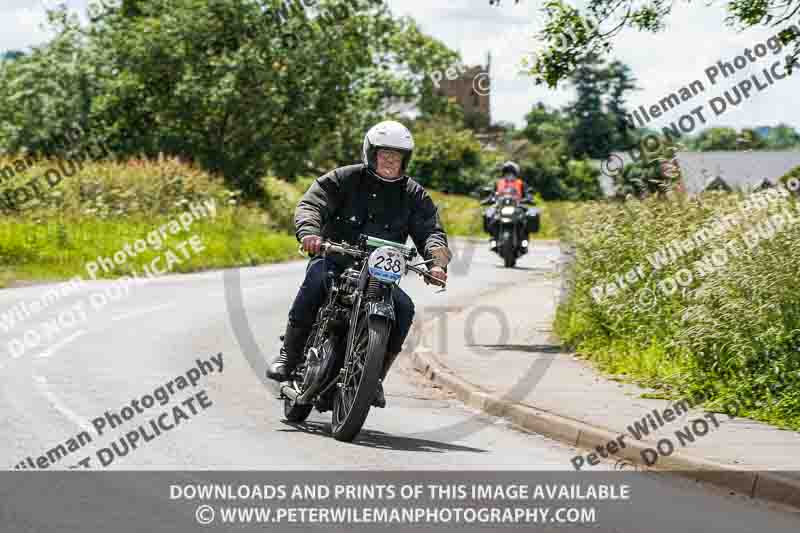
[(509, 254), (509, 260), (369, 351)]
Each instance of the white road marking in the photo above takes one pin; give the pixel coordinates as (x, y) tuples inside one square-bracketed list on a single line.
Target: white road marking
[(139, 312), (42, 385), (57, 346)]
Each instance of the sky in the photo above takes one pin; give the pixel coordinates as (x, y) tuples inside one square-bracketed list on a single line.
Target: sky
[(695, 39)]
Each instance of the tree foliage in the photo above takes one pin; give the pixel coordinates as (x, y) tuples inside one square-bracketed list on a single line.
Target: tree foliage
[(593, 132), (570, 34), (223, 84), (780, 137), (548, 162), (447, 157)]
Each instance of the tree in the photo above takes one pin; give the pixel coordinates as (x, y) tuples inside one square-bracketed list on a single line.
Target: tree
[(781, 137), (11, 55), (570, 34), (222, 83), (593, 131), (447, 157), (544, 126), (44, 94), (750, 140), (716, 139), (620, 82), (655, 174), (546, 161)]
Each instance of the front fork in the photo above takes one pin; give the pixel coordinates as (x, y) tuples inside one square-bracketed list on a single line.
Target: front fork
[(382, 308)]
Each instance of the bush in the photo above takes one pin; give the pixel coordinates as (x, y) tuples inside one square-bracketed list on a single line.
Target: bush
[(103, 206), (446, 158), (108, 189)]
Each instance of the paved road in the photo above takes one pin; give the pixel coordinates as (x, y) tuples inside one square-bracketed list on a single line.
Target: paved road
[(139, 342), (134, 344)]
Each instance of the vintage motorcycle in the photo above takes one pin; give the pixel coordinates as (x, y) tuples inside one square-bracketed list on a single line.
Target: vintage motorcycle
[(510, 221), (344, 355)]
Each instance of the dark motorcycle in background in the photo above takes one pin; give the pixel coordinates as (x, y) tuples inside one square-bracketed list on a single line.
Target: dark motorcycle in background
[(344, 355), (510, 221)]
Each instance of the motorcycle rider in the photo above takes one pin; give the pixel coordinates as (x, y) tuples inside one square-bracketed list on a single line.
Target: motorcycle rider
[(509, 184), (510, 181), (375, 198)]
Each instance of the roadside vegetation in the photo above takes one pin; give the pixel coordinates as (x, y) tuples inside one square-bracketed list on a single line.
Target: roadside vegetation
[(106, 205), (733, 334)]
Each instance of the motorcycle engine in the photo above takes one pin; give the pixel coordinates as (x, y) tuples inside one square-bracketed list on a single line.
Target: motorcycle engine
[(348, 285), (317, 362)]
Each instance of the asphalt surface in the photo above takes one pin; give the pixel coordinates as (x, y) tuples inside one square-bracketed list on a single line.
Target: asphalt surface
[(156, 332)]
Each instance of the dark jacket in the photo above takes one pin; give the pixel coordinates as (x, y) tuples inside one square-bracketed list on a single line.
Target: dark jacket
[(348, 202)]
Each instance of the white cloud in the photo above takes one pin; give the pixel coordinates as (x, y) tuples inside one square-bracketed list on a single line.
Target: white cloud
[(22, 26)]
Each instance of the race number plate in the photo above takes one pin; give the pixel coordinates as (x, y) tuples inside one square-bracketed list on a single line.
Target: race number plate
[(387, 264)]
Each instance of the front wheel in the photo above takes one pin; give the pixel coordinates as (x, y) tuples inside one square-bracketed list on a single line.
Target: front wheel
[(362, 370), (508, 253)]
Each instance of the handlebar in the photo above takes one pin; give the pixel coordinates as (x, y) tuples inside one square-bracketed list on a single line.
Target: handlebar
[(329, 247)]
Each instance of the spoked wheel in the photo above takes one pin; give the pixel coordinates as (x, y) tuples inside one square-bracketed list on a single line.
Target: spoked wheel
[(293, 412), (362, 370)]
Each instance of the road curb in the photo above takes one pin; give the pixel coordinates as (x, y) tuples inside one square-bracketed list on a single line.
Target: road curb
[(758, 485)]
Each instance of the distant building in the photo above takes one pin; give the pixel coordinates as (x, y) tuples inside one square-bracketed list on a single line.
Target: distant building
[(740, 171), (723, 170), (471, 91)]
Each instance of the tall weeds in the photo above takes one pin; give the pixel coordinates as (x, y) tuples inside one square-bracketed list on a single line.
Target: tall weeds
[(731, 332)]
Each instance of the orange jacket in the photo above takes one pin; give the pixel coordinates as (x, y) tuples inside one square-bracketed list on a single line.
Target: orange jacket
[(514, 187)]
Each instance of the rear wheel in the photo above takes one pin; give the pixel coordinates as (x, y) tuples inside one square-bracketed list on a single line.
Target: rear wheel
[(362, 366)]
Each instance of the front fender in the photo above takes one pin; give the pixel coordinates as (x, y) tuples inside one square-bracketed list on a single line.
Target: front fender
[(383, 309)]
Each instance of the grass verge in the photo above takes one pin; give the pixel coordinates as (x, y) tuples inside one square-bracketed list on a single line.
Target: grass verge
[(715, 312)]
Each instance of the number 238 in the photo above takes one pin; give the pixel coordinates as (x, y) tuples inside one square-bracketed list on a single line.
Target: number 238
[(388, 264)]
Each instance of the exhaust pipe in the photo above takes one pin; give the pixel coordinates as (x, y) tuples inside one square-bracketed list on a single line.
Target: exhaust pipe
[(290, 392)]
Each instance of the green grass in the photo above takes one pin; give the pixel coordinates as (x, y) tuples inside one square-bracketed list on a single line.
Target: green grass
[(60, 249), (106, 205), (461, 216), (733, 334)]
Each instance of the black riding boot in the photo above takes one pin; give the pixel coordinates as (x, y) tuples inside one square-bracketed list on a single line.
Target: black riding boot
[(380, 400), (294, 340)]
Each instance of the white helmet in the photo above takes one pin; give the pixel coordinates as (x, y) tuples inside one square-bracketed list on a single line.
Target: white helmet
[(388, 134)]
